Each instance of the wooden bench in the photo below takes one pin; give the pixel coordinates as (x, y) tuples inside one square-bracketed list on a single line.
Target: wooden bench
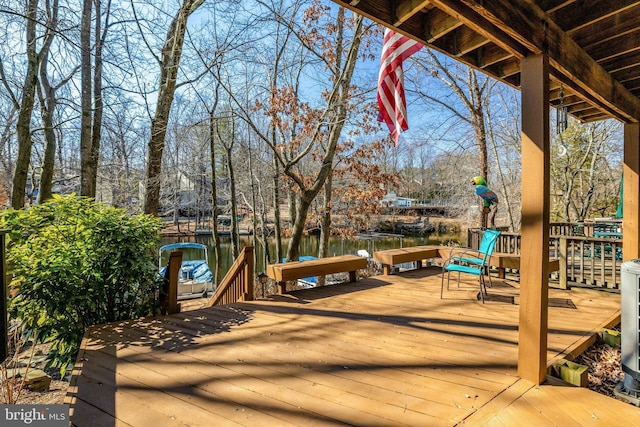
[(503, 261), (499, 260), (399, 256), (295, 270)]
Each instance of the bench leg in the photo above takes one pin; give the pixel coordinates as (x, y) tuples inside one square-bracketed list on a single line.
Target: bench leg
[(386, 269), (501, 273), (282, 287), (352, 276)]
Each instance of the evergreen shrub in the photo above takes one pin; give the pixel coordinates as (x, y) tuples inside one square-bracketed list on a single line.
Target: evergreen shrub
[(77, 263)]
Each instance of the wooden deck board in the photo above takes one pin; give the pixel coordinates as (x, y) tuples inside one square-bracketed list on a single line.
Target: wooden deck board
[(382, 351)]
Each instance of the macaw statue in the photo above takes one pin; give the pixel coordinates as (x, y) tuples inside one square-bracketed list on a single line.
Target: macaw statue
[(489, 198)]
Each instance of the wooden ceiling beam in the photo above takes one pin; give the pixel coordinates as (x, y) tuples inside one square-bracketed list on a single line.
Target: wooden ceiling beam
[(507, 68), (492, 54), (583, 109), (530, 26), (634, 85), (407, 8), (437, 24), (482, 26), (627, 74), (616, 47), (620, 63), (605, 30), (574, 100), (591, 11), (553, 5), (461, 41), (594, 116), (597, 118), (568, 101)]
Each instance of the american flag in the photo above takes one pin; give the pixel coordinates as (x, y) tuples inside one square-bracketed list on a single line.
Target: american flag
[(391, 100)]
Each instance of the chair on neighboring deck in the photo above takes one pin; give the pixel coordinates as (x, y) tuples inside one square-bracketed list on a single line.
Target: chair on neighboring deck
[(472, 261)]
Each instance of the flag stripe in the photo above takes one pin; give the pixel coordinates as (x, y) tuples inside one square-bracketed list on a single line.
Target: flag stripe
[(391, 100)]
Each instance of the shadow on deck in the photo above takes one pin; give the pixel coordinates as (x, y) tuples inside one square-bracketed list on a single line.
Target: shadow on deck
[(382, 351)]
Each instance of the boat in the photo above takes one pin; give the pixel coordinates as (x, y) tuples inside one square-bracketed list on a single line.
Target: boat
[(195, 278), (307, 282)]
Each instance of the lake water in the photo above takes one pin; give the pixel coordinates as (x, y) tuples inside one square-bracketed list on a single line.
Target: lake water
[(310, 245)]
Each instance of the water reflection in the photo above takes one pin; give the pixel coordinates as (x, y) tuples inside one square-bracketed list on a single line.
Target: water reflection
[(309, 245)]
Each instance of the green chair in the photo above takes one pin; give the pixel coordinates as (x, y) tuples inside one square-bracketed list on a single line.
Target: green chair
[(472, 261)]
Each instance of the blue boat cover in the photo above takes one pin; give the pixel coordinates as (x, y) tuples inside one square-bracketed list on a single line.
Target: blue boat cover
[(197, 270), (182, 246)]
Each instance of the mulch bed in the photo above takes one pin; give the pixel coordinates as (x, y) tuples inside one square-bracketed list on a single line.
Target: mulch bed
[(605, 367)]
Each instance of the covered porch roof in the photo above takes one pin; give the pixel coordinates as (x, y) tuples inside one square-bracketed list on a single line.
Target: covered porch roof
[(593, 45), (591, 50)]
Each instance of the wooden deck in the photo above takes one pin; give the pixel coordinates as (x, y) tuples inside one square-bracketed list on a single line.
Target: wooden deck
[(384, 351)]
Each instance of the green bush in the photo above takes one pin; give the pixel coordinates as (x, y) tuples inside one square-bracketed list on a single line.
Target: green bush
[(78, 263)]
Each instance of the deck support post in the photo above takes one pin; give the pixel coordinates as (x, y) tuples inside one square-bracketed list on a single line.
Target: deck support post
[(631, 207), (248, 292), (169, 296), (534, 257)]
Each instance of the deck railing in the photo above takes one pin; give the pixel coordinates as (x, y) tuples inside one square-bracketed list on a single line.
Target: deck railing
[(584, 261), (237, 284), (589, 261), (508, 243)]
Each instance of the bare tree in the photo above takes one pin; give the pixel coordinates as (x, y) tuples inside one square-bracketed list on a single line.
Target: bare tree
[(584, 181), (226, 133), (92, 97), (470, 92), (48, 101), (169, 64), (297, 129), (504, 129), (25, 107)]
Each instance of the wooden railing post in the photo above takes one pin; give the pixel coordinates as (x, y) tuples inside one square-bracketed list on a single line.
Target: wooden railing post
[(248, 273), (237, 284), (563, 251), (169, 295)]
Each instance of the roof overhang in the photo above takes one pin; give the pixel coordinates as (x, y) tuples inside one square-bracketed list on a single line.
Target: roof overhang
[(593, 46)]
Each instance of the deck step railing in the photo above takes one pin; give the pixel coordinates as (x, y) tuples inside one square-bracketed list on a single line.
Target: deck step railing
[(584, 261), (237, 284)]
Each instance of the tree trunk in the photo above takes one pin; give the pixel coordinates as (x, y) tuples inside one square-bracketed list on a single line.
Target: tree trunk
[(171, 53), (505, 193), (339, 113), (276, 209), (325, 225), (48, 102), (23, 126), (265, 232), (479, 130), (6, 155), (254, 200), (98, 103), (235, 249), (47, 105), (217, 244), (292, 203), (304, 202), (87, 168)]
